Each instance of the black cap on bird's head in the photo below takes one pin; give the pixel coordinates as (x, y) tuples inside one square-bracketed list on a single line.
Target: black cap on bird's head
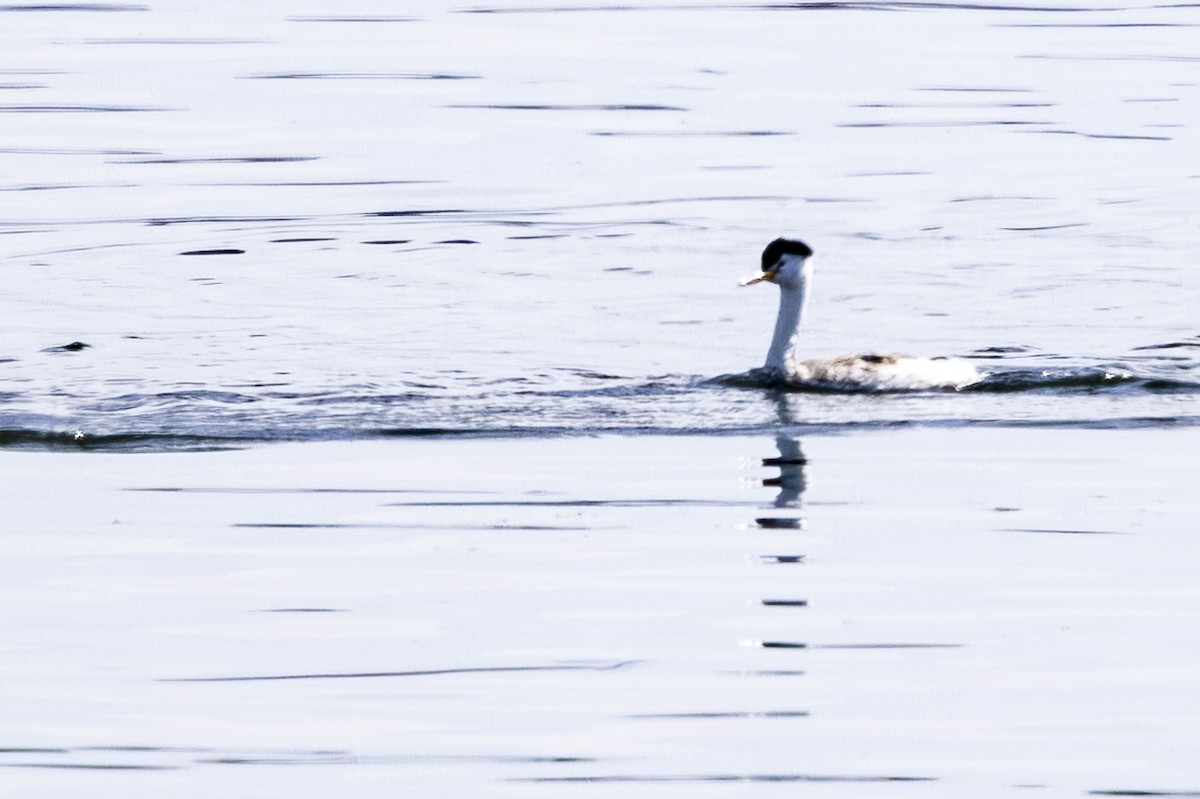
[(780, 247), (774, 254)]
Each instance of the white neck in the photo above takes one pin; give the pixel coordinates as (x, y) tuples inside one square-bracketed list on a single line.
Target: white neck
[(787, 326)]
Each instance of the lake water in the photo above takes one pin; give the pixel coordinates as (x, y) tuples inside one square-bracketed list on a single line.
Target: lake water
[(424, 325)]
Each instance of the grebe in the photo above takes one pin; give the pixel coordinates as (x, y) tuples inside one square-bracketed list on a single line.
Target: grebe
[(785, 262)]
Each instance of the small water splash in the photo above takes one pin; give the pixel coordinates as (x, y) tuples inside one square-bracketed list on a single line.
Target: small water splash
[(1060, 380)]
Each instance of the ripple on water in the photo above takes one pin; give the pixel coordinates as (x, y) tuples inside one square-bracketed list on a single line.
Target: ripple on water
[(191, 417)]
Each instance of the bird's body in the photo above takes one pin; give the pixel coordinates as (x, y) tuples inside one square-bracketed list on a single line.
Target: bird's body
[(884, 372), (785, 262)]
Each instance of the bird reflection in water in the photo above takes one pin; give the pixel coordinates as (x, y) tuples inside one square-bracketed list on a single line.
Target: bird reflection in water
[(791, 482)]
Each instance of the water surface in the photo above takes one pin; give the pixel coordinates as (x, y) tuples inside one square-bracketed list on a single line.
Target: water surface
[(537, 530), (276, 224), (917, 613)]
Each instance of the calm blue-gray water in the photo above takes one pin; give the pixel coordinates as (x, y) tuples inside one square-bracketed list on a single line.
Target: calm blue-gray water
[(377, 412), (281, 223)]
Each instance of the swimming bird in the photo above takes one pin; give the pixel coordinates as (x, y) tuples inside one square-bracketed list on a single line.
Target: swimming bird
[(787, 264)]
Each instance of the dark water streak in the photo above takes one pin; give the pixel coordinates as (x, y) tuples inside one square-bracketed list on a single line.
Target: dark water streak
[(416, 673)]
